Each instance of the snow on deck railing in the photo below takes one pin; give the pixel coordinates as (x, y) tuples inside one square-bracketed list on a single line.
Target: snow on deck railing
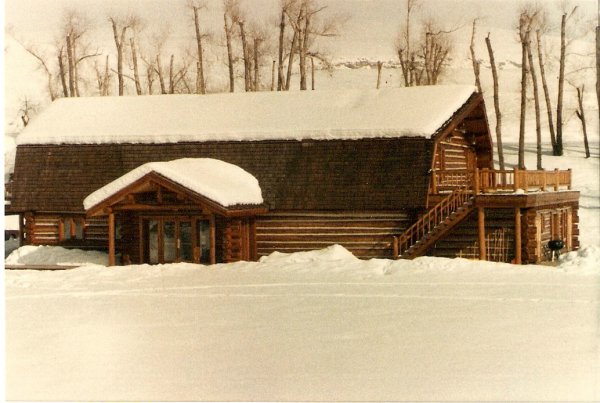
[(495, 180)]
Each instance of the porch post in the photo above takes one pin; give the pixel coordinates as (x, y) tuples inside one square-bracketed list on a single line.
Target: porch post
[(111, 239), (213, 238), (517, 235), (481, 233)]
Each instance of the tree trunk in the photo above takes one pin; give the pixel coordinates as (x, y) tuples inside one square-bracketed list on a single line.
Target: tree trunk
[(546, 93), (62, 73), (403, 66), (581, 115), (119, 46), (312, 73), (273, 76), (561, 84), (246, 57), (280, 82), (536, 100), (105, 89), (496, 104), (75, 72), (379, 66), (474, 59), (200, 84), (229, 54), (256, 83), (161, 79), (303, 45), (70, 66), (288, 77), (136, 75), (171, 75), (524, 72)]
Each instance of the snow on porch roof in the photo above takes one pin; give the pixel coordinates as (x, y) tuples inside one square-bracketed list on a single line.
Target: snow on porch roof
[(296, 115), (219, 181)]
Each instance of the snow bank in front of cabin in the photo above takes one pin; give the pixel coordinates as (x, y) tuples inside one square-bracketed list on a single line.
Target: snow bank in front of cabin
[(55, 255), (220, 181), (311, 326), (294, 115)]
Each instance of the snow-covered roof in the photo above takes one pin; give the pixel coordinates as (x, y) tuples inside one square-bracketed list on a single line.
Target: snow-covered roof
[(219, 181), (296, 115)]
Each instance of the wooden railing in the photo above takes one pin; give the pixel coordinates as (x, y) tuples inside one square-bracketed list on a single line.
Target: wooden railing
[(432, 218), (493, 180)]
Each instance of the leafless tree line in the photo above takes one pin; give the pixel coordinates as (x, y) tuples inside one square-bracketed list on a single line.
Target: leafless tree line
[(532, 26), (74, 67)]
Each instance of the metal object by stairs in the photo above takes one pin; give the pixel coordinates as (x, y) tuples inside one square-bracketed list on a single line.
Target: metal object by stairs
[(434, 224)]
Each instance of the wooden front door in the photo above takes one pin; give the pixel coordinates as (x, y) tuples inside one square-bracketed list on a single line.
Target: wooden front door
[(168, 239)]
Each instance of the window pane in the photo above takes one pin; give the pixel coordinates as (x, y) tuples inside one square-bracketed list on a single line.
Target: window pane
[(169, 241), (185, 228), (152, 241), (204, 240)]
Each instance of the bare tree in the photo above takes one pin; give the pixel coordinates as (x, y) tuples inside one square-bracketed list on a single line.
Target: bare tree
[(197, 6), (536, 99), (379, 67), (26, 110), (102, 78), (496, 104), (44, 63), (75, 27), (524, 31), (561, 84), (541, 65), (476, 63), (580, 112), (119, 28), (136, 73), (308, 26), (423, 63), (230, 18)]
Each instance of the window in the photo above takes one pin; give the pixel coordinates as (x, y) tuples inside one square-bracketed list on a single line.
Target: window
[(71, 228)]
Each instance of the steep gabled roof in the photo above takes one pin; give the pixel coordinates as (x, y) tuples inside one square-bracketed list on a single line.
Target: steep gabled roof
[(223, 183), (298, 115)]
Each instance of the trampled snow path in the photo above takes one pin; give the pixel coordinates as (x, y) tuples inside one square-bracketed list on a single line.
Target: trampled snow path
[(321, 326)]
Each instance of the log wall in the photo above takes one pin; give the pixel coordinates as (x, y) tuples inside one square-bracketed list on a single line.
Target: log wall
[(366, 235)]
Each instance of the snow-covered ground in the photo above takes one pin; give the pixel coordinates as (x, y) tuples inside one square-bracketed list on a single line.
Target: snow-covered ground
[(313, 326)]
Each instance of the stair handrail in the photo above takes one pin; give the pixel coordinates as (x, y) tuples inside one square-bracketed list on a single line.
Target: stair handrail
[(432, 218)]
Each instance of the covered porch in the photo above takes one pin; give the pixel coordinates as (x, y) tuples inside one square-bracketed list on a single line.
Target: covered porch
[(189, 210)]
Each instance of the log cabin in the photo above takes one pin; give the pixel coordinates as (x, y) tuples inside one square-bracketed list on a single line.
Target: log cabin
[(390, 173)]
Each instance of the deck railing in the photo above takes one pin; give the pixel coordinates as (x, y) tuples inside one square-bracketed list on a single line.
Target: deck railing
[(494, 180)]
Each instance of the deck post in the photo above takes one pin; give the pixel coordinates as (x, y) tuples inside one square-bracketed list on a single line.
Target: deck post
[(556, 179), (481, 233), (515, 178), (517, 235), (111, 239), (570, 176), (476, 181), (395, 248)]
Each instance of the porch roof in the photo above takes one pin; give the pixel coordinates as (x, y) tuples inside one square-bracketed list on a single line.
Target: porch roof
[(223, 183)]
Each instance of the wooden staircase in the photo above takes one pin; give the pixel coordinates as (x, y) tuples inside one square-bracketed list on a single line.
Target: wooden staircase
[(434, 224)]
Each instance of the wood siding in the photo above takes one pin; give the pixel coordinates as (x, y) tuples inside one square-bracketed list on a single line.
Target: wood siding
[(366, 235), (463, 240), (49, 229)]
